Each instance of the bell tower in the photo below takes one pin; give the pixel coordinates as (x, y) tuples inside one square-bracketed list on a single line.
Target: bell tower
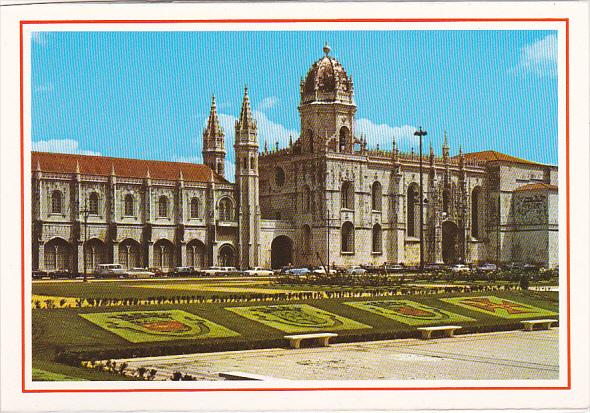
[(327, 107), (247, 186), (214, 142)]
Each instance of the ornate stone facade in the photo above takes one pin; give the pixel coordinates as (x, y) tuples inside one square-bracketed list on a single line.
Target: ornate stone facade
[(326, 198)]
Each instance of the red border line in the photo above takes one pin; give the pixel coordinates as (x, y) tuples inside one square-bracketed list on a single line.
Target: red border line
[(358, 20)]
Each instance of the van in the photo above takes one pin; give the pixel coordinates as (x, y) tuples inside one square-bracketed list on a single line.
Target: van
[(110, 270)]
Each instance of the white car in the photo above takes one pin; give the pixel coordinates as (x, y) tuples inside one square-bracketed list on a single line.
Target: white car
[(139, 273), (110, 270), (460, 268), (227, 270), (356, 270), (258, 271), (211, 271), (487, 267), (322, 271)]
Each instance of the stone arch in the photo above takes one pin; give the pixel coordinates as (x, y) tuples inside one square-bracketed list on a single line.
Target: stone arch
[(450, 242), (95, 253), (347, 237), (413, 210), (164, 254), (376, 196), (476, 212), (58, 255), (227, 255), (281, 252), (195, 254), (344, 139), (130, 253)]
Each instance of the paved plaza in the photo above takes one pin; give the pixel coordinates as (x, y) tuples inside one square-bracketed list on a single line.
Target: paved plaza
[(502, 355)]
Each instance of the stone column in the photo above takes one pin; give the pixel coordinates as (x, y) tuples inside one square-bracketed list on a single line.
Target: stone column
[(80, 254), (115, 252), (182, 253), (41, 256)]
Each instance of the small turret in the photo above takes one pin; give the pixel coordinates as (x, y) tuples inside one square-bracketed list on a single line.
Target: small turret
[(214, 142), (445, 148)]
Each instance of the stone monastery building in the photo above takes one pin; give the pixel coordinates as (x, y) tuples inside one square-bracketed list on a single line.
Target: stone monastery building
[(326, 198)]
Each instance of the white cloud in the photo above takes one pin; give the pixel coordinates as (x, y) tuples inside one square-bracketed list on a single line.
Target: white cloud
[(272, 132), (61, 146), (44, 88), (268, 103), (383, 134), (539, 57)]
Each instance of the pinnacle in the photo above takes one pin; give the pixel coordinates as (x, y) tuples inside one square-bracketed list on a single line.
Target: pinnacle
[(246, 121)]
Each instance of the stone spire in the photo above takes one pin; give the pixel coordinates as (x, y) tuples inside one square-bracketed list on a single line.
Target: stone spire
[(246, 122), (214, 142), (445, 147), (77, 167)]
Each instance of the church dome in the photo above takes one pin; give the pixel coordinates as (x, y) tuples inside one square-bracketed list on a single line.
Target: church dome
[(326, 80)]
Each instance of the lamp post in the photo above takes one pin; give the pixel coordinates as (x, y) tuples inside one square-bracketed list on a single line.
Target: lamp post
[(85, 212), (421, 133)]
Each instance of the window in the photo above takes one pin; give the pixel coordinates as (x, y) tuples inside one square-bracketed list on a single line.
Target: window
[(163, 207), (306, 198), (226, 210), (376, 195), (129, 207), (309, 135), (279, 176), (347, 195), (93, 203), (56, 202), (377, 238), (475, 211), (347, 234), (412, 210), (194, 207), (344, 138)]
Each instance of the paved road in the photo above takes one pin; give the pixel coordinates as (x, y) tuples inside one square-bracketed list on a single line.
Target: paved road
[(502, 355)]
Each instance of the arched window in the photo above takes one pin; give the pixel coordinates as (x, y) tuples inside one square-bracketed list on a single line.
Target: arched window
[(194, 207), (279, 176), (344, 138), (377, 238), (413, 210), (226, 210), (56, 202), (475, 212), (347, 195), (309, 135), (306, 239), (93, 203), (376, 195), (347, 234), (129, 207), (163, 207), (306, 198)]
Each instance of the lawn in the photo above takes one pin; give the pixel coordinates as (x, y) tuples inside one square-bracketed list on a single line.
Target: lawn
[(362, 318)]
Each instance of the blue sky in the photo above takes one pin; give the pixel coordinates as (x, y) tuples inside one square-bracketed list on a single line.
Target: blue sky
[(147, 94)]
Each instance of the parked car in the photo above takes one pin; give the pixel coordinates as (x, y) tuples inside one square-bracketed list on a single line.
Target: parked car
[(435, 267), (460, 268), (227, 270), (356, 270), (394, 268), (322, 270), (183, 270), (258, 271), (487, 267), (298, 271), (110, 270), (140, 273), (531, 267), (211, 271)]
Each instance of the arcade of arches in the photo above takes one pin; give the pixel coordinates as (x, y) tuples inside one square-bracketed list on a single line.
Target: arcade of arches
[(281, 252)]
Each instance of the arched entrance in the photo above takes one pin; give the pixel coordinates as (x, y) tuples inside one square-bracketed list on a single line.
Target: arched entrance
[(227, 256), (450, 238), (57, 255), (95, 254), (195, 254), (164, 254), (130, 253), (281, 252)]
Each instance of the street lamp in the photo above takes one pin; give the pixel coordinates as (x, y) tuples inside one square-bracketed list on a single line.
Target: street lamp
[(421, 133)]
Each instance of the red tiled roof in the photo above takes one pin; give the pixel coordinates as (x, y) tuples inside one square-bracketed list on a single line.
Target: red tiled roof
[(536, 187), (496, 156), (129, 168)]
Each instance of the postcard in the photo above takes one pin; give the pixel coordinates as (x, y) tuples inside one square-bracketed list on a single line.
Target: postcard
[(292, 206)]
